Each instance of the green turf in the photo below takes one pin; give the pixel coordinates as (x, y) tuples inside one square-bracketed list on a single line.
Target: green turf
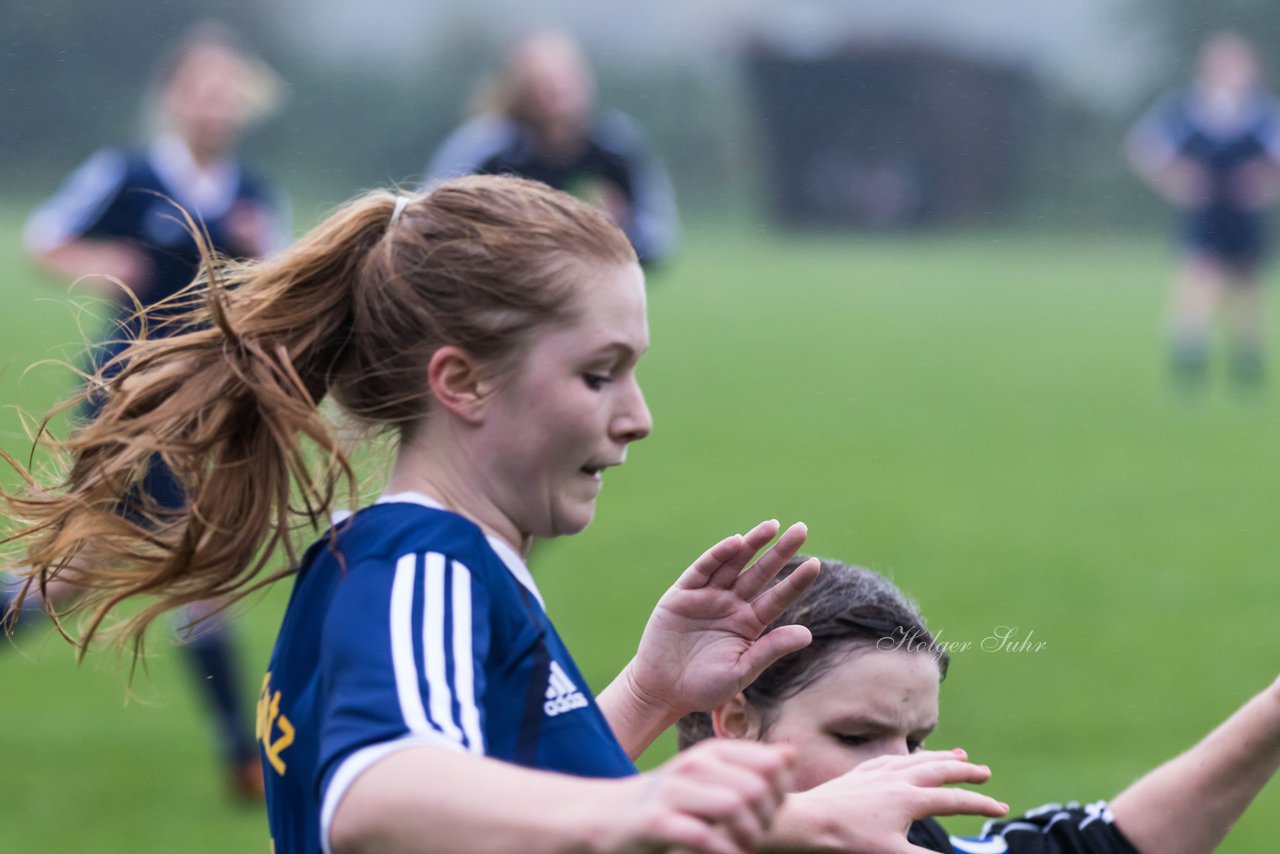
[(984, 417)]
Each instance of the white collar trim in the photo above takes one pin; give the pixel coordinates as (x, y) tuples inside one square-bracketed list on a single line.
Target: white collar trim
[(509, 556), (208, 193)]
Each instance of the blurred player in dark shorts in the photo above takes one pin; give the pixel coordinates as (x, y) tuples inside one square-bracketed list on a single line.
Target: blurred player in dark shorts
[(119, 219), (1213, 150)]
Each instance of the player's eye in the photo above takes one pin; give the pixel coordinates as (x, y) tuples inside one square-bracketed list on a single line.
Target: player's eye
[(851, 740), (595, 382), (914, 745)]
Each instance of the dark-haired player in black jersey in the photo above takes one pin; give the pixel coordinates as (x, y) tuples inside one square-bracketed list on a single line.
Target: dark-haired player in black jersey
[(119, 220), (1213, 150), (862, 699), (541, 124)]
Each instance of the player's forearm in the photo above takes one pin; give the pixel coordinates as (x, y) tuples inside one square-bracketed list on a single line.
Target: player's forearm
[(427, 800), (96, 263), (636, 720), (1187, 805)]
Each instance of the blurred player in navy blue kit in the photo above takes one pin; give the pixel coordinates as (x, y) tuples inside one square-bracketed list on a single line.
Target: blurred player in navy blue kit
[(540, 123), (118, 220), (418, 698), (1213, 150), (863, 698)]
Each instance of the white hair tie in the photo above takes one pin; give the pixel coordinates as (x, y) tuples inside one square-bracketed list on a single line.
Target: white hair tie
[(401, 201)]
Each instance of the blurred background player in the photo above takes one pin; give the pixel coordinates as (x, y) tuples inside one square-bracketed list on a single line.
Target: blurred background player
[(118, 220), (1213, 150), (865, 692), (538, 121)]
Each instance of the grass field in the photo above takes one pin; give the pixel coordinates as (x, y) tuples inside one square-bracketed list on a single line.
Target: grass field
[(983, 417)]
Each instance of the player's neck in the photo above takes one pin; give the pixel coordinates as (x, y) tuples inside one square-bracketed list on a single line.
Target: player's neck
[(204, 156), (442, 474)]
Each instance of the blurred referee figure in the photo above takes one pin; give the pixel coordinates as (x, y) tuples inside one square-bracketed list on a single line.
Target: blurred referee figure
[(537, 120), (119, 217), (1213, 150)]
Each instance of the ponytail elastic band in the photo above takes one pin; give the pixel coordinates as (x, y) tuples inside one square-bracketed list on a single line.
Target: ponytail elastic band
[(401, 201)]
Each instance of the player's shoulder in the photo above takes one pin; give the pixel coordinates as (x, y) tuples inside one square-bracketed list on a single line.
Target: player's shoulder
[(136, 164), (86, 198), (1267, 111), (482, 128), (109, 157), (107, 168), (471, 145), (1175, 107), (399, 526)]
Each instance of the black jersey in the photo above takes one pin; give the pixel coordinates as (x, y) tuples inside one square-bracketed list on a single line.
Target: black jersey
[(615, 156), (1050, 829)]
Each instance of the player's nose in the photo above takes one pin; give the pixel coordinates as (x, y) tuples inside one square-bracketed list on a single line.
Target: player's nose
[(633, 421)]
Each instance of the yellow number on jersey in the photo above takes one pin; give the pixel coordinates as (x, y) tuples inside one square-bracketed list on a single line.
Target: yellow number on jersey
[(269, 720)]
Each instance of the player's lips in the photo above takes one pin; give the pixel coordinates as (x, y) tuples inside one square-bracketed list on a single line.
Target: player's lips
[(595, 468)]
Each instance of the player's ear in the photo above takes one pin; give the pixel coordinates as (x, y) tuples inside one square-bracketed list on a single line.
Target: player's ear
[(736, 719), (457, 383)]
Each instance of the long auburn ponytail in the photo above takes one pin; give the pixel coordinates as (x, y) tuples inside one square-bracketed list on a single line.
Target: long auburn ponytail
[(227, 399)]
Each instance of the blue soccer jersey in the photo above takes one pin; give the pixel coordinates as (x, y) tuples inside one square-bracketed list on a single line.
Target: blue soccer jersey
[(1224, 224), (138, 199), (409, 627)]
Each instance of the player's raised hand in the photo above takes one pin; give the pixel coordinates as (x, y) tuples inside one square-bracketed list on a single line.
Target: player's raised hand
[(705, 640), (869, 808), (718, 797)]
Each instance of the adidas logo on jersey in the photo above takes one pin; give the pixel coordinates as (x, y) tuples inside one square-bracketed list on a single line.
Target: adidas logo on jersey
[(562, 695)]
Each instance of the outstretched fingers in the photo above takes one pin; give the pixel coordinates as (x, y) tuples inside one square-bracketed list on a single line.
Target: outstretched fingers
[(708, 565), (958, 802), (920, 757), (947, 769), (783, 640), (719, 565), (749, 583), (933, 770), (752, 542), (770, 604)]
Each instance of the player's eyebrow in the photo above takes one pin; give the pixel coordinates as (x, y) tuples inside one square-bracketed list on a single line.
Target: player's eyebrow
[(861, 722), (620, 349), (876, 724)]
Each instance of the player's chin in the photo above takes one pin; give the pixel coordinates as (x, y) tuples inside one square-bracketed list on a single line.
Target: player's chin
[(572, 517)]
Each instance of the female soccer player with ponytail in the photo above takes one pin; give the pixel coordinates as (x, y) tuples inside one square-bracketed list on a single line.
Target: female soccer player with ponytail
[(418, 698)]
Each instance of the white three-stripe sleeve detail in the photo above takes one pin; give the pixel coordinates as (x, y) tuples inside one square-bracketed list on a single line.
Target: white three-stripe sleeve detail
[(560, 681), (463, 659), (402, 658), (435, 646), (78, 203), (566, 682)]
